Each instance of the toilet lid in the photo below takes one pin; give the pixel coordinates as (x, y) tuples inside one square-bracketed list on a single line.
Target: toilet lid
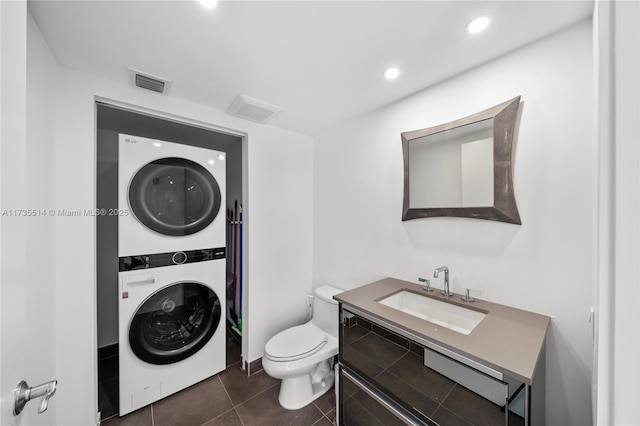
[(295, 343)]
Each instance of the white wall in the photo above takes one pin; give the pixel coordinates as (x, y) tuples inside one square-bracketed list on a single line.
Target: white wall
[(28, 93), (546, 265), (626, 365), (13, 250), (281, 209), (618, 63), (278, 223), (41, 291)]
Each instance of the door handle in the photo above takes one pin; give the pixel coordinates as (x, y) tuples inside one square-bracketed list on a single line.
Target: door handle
[(150, 280), (23, 394)]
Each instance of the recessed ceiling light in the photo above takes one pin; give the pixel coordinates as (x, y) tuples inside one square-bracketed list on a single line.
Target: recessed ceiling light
[(478, 25), (392, 73), (209, 4)]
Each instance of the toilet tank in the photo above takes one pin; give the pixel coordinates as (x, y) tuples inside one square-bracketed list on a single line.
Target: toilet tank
[(325, 309)]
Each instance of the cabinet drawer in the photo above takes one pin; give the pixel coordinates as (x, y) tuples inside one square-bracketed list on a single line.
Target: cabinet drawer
[(492, 389)]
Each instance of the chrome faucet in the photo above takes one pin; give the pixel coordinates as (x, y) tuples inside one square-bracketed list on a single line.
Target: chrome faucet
[(445, 291)]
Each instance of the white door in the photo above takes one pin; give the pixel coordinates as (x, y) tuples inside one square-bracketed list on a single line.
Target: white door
[(27, 310)]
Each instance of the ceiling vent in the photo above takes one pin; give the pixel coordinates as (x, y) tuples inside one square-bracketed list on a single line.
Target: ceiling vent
[(252, 109), (149, 81)]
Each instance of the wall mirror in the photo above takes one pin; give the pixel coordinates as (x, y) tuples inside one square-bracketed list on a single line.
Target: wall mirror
[(462, 168)]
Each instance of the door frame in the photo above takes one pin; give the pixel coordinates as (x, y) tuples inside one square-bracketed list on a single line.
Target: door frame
[(183, 120)]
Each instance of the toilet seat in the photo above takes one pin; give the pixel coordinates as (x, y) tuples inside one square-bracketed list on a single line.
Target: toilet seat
[(295, 343)]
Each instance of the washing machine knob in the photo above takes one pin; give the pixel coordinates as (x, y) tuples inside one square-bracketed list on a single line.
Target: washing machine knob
[(179, 257)]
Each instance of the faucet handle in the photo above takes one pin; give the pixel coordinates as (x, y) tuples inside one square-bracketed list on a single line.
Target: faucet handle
[(467, 298), (427, 284)]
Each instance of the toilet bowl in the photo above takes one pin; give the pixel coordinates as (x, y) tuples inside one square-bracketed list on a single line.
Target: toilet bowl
[(302, 356)]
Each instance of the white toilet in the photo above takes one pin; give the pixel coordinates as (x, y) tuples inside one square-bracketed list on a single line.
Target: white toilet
[(302, 356)]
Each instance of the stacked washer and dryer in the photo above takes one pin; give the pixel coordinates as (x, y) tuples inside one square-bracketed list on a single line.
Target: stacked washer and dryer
[(171, 248)]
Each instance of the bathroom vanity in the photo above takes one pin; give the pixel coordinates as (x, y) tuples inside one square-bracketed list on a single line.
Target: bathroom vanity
[(407, 356)]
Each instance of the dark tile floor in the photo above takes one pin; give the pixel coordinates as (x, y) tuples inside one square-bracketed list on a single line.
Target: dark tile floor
[(229, 398)]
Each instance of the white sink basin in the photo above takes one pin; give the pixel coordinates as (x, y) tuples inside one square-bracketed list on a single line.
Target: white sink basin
[(445, 314)]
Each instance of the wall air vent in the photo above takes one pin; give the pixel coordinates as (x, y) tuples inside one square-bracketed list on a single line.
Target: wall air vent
[(252, 109), (149, 81)]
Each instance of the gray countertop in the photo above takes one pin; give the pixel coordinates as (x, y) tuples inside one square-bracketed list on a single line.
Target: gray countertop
[(508, 340)]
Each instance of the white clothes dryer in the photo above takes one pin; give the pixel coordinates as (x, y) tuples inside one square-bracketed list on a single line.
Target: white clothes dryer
[(172, 332), (170, 196)]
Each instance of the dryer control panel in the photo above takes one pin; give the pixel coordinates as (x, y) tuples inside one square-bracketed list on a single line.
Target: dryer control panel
[(146, 261)]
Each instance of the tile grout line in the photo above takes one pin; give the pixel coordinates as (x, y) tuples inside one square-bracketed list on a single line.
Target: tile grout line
[(222, 414), (333, 422), (255, 396), (397, 361), (230, 400), (439, 404), (238, 414), (443, 400), (359, 338), (325, 415), (225, 389), (319, 410), (228, 396)]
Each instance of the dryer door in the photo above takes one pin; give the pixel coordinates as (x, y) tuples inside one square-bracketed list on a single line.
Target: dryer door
[(174, 323), (174, 196)]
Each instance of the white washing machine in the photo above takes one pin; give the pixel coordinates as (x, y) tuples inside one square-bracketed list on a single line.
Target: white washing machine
[(171, 197), (172, 332)]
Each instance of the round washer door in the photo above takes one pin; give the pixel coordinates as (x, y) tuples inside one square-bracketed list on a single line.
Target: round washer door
[(174, 323), (174, 196)]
